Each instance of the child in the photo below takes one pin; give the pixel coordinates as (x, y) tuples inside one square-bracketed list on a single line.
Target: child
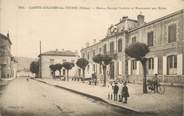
[(125, 93), (116, 88), (120, 85), (110, 91)]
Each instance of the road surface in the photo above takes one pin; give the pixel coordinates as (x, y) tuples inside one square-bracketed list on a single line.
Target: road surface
[(31, 98)]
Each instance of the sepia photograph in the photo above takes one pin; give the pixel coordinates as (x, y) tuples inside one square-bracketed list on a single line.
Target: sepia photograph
[(91, 58)]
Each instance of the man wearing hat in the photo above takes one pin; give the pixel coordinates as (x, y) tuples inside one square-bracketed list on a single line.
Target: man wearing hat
[(125, 93), (116, 88)]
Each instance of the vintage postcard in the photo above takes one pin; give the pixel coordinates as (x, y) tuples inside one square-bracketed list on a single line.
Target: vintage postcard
[(91, 57)]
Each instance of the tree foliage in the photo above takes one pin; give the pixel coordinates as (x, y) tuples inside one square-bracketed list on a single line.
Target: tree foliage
[(34, 67), (82, 63), (58, 66), (68, 66), (103, 60), (53, 67), (138, 51)]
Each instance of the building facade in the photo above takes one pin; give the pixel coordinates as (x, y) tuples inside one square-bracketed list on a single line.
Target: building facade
[(55, 57), (165, 38), (7, 61)]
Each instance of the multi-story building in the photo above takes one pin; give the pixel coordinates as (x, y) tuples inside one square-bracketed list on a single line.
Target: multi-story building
[(165, 38), (55, 57), (7, 61)]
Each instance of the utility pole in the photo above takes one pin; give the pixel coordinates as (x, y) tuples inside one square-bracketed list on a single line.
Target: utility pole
[(40, 64)]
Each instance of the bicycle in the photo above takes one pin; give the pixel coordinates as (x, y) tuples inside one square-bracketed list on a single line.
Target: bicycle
[(151, 87)]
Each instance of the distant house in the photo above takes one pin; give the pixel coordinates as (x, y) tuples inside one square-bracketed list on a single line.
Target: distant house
[(55, 57), (7, 61)]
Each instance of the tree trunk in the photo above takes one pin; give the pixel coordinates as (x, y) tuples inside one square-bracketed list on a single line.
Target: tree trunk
[(59, 72), (83, 72), (144, 76), (104, 73), (67, 75)]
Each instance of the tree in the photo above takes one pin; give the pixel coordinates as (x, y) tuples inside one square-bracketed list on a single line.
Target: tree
[(138, 51), (34, 67), (82, 63), (103, 60), (59, 67), (53, 69), (68, 66)]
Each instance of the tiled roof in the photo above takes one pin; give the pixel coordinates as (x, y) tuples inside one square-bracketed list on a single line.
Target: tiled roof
[(59, 53)]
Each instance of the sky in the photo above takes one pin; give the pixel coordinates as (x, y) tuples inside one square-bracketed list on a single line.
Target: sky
[(69, 24)]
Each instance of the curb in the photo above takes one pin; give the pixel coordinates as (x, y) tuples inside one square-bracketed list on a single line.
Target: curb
[(96, 98)]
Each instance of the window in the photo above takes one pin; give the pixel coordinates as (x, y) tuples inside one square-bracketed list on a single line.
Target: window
[(172, 64), (172, 61), (100, 69), (94, 67), (133, 39), (2, 50), (100, 50), (120, 45), (64, 60), (105, 49), (112, 47), (150, 63), (172, 33), (88, 55), (51, 61), (88, 68), (134, 65), (150, 38), (73, 61), (93, 52), (83, 55)]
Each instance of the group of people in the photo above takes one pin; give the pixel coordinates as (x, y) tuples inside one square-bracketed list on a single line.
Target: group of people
[(118, 91)]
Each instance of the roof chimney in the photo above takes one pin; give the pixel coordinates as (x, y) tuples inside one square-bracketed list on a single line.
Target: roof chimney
[(140, 19)]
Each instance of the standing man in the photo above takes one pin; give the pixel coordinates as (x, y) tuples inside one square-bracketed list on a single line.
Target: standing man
[(116, 88), (125, 93), (155, 83)]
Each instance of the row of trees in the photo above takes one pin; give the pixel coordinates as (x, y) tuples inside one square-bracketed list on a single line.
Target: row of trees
[(136, 50), (67, 65)]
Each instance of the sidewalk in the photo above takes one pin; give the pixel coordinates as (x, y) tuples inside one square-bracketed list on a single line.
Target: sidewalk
[(170, 103)]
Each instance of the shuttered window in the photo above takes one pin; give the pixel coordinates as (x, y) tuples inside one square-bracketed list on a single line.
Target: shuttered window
[(105, 49), (150, 38), (112, 47), (120, 45), (133, 39), (172, 33)]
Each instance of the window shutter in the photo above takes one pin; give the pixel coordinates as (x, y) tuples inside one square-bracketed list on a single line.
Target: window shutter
[(179, 64), (155, 65), (164, 65), (138, 67), (129, 67), (120, 68)]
